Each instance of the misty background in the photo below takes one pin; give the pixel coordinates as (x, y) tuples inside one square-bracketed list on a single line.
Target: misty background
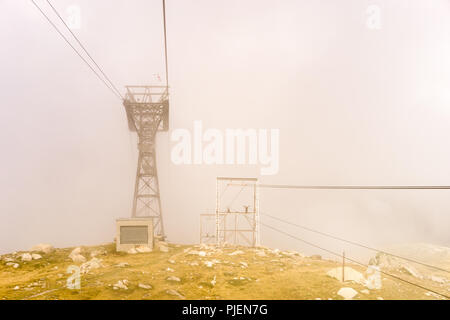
[(355, 106)]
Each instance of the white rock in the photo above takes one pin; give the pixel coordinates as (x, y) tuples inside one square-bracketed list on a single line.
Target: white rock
[(122, 265), (144, 286), (36, 256), (163, 248), (42, 247), (350, 274), (173, 278), (26, 257), (237, 252), (143, 249), (261, 253), (411, 270), (121, 284), (132, 251), (75, 252), (170, 270), (380, 298), (78, 258), (243, 264), (98, 252), (175, 293), (202, 254), (373, 281), (171, 261), (365, 291), (16, 288), (12, 264), (94, 263), (437, 279), (347, 293)]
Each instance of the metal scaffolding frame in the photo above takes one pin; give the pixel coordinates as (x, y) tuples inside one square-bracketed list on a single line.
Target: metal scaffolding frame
[(235, 226), (147, 109)]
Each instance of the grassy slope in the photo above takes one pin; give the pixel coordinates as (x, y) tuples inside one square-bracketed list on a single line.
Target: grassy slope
[(275, 276)]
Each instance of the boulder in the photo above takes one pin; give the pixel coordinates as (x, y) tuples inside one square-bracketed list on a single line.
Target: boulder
[(98, 252), (350, 274), (373, 281), (209, 264), (12, 264), (78, 259), (132, 251), (260, 253), (412, 271), (122, 264), (121, 284), (347, 293), (438, 279), (75, 252), (175, 293), (76, 256), (94, 263), (26, 257), (43, 247), (143, 249), (173, 279), (144, 286), (36, 256)]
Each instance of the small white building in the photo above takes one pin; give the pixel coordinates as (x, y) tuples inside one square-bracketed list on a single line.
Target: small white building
[(132, 232)]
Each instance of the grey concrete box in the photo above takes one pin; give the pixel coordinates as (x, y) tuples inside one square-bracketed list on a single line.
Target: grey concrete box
[(132, 232)]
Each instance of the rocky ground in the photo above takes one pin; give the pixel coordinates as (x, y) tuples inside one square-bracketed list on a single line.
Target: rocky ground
[(173, 271)]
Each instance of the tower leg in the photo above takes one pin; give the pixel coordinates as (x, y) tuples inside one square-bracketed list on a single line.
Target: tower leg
[(147, 202)]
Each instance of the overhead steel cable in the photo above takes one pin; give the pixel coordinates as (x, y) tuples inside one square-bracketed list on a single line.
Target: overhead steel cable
[(84, 48), (285, 186), (76, 51), (355, 261), (354, 243), (165, 45)]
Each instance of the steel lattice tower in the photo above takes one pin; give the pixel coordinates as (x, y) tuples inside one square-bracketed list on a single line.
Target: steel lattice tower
[(147, 109)]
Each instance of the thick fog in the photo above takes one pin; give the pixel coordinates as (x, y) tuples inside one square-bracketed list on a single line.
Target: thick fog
[(355, 104)]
